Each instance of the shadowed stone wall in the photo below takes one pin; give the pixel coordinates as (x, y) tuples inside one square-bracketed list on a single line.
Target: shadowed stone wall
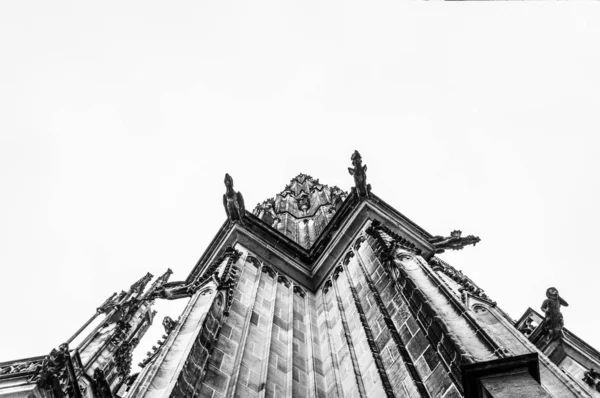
[(356, 336)]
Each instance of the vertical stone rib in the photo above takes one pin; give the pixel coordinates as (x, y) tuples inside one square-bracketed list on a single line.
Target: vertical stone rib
[(312, 383), (290, 353), (264, 371), (387, 386), (230, 392), (334, 360), (410, 366), (359, 381)]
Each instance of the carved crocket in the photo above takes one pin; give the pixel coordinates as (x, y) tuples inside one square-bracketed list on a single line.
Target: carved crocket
[(233, 202), (455, 241), (553, 320), (363, 190)]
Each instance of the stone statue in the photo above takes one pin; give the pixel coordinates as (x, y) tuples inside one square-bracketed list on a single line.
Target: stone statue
[(553, 320), (169, 324), (51, 373), (100, 386), (455, 241), (233, 202), (363, 190)]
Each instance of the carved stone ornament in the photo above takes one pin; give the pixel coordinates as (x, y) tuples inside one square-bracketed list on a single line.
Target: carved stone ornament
[(169, 324), (52, 373), (20, 367), (362, 189), (466, 284), (592, 378), (553, 320), (140, 285), (176, 290), (233, 202), (121, 330), (100, 385), (303, 201), (455, 241), (107, 305), (123, 357)]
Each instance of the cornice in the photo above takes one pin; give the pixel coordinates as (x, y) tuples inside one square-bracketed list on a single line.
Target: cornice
[(312, 265)]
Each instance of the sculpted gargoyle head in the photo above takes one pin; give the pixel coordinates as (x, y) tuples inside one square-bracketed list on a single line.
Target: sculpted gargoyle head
[(356, 158), (228, 181), (552, 293)]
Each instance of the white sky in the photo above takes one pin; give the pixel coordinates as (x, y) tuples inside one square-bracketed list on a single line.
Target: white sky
[(119, 121)]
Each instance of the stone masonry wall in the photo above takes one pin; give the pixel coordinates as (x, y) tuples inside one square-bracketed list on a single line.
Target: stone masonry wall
[(356, 336)]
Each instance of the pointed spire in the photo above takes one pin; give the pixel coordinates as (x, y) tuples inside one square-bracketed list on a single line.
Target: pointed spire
[(362, 189)]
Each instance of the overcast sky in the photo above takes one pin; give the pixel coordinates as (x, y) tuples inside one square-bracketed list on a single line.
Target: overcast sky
[(119, 120)]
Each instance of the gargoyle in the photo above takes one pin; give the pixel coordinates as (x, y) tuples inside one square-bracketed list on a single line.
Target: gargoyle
[(553, 319), (233, 202), (100, 385), (455, 241), (363, 190), (169, 324), (175, 290)]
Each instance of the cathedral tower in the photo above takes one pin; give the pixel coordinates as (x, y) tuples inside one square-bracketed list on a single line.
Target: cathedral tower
[(322, 293)]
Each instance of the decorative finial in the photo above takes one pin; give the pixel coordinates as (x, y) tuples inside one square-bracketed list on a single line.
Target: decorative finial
[(553, 320), (140, 285), (454, 241), (362, 189), (233, 202)]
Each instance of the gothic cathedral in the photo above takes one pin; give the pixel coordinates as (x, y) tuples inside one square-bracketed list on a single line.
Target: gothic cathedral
[(317, 293)]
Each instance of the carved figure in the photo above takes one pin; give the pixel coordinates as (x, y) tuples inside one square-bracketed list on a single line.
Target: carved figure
[(233, 202), (592, 378), (553, 320), (363, 190), (51, 374), (168, 324), (303, 201), (100, 386), (455, 241), (175, 290)]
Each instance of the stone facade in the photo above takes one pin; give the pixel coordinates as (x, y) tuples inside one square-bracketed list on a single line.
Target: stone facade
[(319, 293)]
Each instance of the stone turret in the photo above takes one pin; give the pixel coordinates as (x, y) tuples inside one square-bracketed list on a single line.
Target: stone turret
[(302, 210)]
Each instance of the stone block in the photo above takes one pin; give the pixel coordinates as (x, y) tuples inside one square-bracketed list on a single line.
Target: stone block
[(431, 357), (417, 345), (438, 382), (216, 379), (422, 368)]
